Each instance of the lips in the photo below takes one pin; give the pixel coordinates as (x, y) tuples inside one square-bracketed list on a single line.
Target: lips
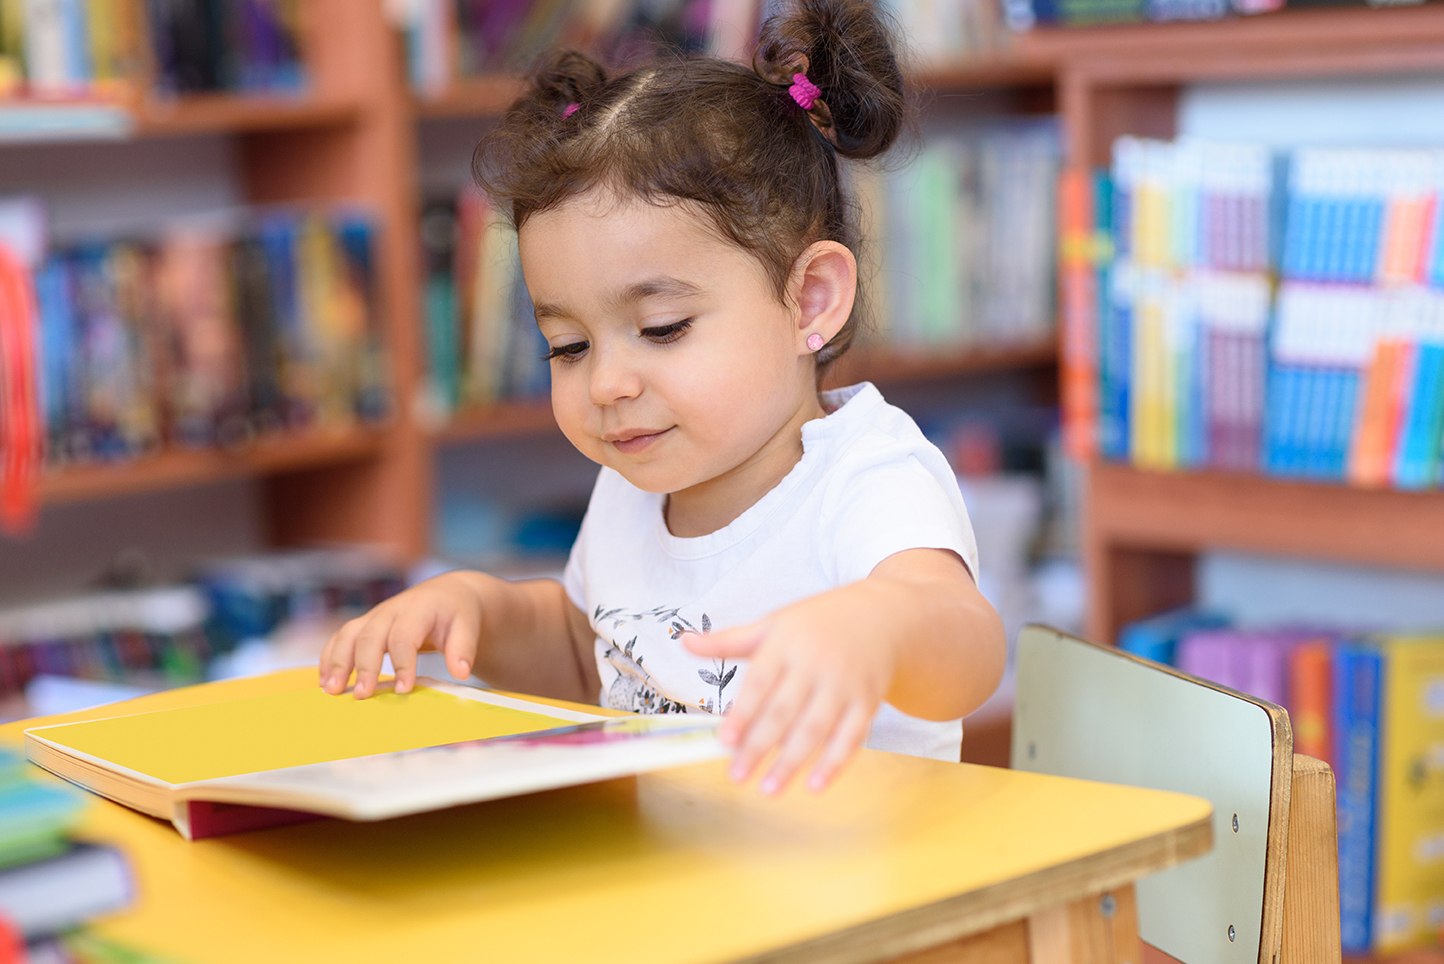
[(632, 441)]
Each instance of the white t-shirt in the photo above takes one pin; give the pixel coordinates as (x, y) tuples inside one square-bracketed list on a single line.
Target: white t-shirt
[(869, 485)]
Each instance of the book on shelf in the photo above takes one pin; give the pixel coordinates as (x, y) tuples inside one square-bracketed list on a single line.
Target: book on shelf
[(201, 335), (1333, 372), (482, 342), (966, 238), (81, 48), (250, 762), (1372, 706)]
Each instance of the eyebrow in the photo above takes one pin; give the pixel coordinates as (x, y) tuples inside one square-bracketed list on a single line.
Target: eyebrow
[(650, 288)]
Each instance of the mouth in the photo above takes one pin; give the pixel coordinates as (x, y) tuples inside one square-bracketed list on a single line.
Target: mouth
[(631, 441)]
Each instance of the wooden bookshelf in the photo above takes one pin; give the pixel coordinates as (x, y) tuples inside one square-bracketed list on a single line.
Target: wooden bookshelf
[(1143, 530), (352, 139), (179, 468)]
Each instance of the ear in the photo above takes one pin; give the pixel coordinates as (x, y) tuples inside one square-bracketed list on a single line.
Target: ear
[(825, 281)]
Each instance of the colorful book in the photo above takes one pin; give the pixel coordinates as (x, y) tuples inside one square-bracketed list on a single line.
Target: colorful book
[(282, 758), (1311, 699), (1409, 839), (1358, 678)]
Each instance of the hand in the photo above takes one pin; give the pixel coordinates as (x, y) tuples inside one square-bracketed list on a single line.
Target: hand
[(444, 611), (816, 680)]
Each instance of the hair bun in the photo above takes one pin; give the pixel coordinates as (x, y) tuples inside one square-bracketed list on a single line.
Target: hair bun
[(846, 48), (564, 77)]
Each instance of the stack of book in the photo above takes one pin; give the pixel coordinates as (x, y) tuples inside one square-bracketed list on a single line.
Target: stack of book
[(1358, 349), (1370, 705), (76, 48), (49, 883), (966, 236), (481, 337), (1181, 350), (166, 636), (201, 336), (1167, 302)]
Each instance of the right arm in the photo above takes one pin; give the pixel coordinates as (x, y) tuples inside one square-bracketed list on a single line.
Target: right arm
[(524, 636)]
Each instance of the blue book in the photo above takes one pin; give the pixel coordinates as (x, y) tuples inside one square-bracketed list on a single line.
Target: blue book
[(1116, 364), (56, 305), (1344, 423), (1358, 673), (1157, 637), (1326, 399), (1273, 427), (1291, 260), (1373, 238), (1417, 454)]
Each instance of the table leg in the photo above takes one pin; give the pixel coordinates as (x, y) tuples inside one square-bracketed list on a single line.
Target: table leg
[(1102, 929)]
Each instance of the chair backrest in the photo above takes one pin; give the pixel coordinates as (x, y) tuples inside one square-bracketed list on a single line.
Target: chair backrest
[(1097, 713)]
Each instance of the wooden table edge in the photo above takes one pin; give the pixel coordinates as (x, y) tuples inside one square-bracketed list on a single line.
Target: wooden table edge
[(1002, 903)]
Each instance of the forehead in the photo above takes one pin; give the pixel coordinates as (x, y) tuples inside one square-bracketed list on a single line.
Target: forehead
[(602, 240)]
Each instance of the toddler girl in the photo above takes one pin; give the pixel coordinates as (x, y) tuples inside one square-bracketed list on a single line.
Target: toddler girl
[(799, 561)]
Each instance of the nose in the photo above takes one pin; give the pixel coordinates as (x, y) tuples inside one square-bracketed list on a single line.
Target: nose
[(613, 378)]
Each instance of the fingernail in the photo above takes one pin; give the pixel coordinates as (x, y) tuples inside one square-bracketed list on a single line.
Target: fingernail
[(738, 773), (769, 786), (816, 783), (465, 667)]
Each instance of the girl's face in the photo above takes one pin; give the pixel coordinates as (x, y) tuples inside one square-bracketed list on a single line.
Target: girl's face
[(672, 359)]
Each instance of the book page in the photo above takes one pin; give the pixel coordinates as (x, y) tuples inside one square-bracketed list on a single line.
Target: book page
[(295, 729)]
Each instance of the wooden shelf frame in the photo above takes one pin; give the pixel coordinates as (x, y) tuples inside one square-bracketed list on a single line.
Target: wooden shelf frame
[(1142, 531), (352, 138), (178, 468)]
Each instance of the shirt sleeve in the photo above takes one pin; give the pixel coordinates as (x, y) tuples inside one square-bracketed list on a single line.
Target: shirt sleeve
[(885, 509)]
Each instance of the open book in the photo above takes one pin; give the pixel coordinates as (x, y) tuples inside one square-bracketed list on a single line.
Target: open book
[(263, 761)]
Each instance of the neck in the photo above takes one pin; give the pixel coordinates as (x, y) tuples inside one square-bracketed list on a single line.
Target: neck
[(708, 506)]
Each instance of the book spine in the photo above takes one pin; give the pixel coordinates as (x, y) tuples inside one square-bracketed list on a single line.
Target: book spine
[(1356, 699), (1311, 699), (1409, 820)]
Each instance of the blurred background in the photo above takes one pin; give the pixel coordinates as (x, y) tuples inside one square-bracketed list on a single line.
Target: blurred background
[(1163, 278)]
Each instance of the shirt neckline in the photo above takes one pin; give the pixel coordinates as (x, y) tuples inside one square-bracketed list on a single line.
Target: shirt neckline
[(849, 406)]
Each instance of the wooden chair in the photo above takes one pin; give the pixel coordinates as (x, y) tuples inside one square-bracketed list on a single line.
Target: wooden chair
[(1268, 893)]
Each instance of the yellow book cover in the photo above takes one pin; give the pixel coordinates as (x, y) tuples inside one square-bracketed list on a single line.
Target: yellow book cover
[(1409, 842), (275, 758)]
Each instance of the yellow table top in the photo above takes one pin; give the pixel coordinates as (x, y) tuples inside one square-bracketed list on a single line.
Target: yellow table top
[(678, 866)]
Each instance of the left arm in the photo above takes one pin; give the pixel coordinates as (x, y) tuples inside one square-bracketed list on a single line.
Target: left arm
[(916, 633)]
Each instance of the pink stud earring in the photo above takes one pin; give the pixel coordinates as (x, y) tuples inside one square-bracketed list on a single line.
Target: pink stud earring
[(814, 342)]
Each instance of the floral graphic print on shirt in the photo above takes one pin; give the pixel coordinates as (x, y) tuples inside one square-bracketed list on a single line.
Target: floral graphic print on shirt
[(626, 637)]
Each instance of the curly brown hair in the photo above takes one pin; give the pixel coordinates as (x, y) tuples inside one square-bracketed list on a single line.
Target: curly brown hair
[(730, 139)]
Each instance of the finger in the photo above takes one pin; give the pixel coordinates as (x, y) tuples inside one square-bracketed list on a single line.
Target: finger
[(339, 655), (805, 737), (757, 686), (846, 738), (773, 721), (462, 636), (738, 643), (407, 634), (370, 648)]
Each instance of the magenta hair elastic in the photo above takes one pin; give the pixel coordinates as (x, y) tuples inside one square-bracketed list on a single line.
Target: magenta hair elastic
[(804, 91), (570, 110)]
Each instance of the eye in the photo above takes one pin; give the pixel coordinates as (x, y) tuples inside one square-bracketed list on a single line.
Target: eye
[(567, 353), (666, 334)]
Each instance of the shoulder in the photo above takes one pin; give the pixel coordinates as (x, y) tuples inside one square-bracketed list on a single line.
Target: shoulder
[(888, 489), (881, 445)]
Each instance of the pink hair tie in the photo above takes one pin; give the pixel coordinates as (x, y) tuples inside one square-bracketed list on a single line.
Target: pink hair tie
[(570, 110), (804, 91)]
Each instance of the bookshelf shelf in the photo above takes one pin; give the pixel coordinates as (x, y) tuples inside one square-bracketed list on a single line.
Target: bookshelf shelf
[(178, 468), (229, 113), (504, 420)]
